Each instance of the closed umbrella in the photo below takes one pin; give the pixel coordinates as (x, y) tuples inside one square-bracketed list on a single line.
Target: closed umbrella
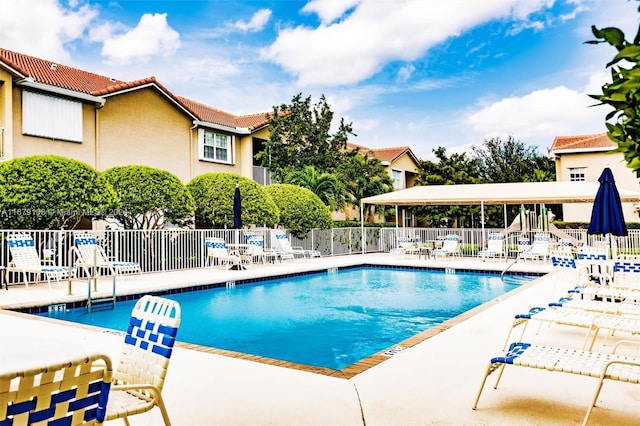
[(237, 208), (607, 217)]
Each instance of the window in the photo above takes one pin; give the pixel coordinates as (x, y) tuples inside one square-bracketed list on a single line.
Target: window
[(396, 176), (51, 117), (576, 174), (215, 146)]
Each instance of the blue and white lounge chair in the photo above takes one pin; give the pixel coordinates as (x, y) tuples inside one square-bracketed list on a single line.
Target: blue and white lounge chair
[(603, 366), (450, 247), (495, 246), (257, 252), (148, 345), (90, 255), (539, 249), (217, 253), (26, 260), (74, 391)]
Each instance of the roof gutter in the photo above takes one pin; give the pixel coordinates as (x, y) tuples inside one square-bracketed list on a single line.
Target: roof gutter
[(237, 130), (30, 83)]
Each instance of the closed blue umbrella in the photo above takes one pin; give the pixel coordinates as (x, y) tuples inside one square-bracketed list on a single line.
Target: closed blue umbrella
[(237, 208), (607, 217)]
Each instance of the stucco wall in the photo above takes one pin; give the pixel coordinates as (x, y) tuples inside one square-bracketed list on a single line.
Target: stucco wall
[(594, 163)]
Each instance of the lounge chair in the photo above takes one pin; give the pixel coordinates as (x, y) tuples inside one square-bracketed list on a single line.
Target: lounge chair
[(90, 255), (602, 366), (74, 391), (142, 368), (623, 285), (281, 244), (539, 249), (407, 246), (593, 321), (495, 247), (450, 247), (256, 251), (26, 260), (217, 253)]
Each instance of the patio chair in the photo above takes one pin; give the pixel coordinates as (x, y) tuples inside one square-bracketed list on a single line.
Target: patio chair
[(539, 249), (257, 252), (624, 284), (450, 247), (594, 260), (603, 366), (408, 246), (90, 255), (72, 392), (26, 260), (280, 242), (495, 247), (148, 344), (217, 253)]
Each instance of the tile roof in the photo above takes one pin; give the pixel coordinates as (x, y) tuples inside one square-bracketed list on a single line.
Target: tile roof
[(62, 76), (389, 154), (583, 142)]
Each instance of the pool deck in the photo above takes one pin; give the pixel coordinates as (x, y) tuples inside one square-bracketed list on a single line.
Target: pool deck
[(433, 382)]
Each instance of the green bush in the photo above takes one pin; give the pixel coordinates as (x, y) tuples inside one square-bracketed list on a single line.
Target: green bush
[(149, 197), (300, 209), (51, 192), (213, 194)]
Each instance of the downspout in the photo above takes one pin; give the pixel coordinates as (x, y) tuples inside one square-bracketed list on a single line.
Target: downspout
[(195, 125), (362, 226), (96, 131)]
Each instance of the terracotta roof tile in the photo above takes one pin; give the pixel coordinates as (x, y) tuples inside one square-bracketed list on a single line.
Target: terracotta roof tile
[(58, 75), (589, 142), (55, 74), (391, 153)]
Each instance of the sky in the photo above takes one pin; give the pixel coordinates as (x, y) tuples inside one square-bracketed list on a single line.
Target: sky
[(417, 73)]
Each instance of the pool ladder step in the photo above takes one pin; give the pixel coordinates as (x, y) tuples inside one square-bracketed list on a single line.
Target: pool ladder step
[(101, 303)]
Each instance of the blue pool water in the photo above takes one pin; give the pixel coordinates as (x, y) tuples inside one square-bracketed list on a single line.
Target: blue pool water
[(326, 319)]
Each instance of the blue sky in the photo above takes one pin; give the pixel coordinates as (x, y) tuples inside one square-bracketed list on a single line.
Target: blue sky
[(422, 73)]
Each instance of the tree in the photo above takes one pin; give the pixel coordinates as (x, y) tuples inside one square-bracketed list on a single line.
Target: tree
[(51, 192), (622, 94), (448, 170), (149, 197), (213, 193), (510, 160), (327, 186), (300, 209), (299, 136)]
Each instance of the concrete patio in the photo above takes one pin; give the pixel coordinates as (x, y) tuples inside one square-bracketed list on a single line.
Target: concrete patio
[(433, 382)]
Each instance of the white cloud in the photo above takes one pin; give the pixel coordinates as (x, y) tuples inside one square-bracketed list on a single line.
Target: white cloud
[(42, 27), (257, 22), (151, 37), (329, 10), (378, 31), (538, 117)]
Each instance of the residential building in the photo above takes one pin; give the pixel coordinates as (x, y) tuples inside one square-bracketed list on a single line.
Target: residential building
[(582, 158), (402, 166), (51, 108)]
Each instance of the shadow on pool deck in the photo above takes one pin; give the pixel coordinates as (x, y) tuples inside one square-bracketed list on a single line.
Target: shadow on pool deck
[(433, 382)]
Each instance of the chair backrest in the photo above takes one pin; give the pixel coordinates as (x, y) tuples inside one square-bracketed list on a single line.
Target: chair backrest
[(450, 242), (565, 245), (91, 253), (563, 260), (524, 244), (592, 253), (149, 341), (540, 243), (495, 241), (256, 245), (280, 241), (23, 251), (73, 392), (216, 247), (626, 273)]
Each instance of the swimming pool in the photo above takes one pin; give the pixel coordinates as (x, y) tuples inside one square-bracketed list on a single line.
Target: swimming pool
[(330, 319)]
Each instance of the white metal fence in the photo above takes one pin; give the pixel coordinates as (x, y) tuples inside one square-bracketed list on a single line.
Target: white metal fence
[(180, 249)]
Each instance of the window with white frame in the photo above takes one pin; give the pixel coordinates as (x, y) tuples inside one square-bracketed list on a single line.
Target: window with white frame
[(215, 146), (576, 174), (396, 176), (51, 117)]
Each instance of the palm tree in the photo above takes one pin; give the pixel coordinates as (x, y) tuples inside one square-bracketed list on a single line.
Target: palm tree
[(327, 186)]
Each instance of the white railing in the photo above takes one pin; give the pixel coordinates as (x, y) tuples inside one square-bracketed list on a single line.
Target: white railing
[(180, 249)]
